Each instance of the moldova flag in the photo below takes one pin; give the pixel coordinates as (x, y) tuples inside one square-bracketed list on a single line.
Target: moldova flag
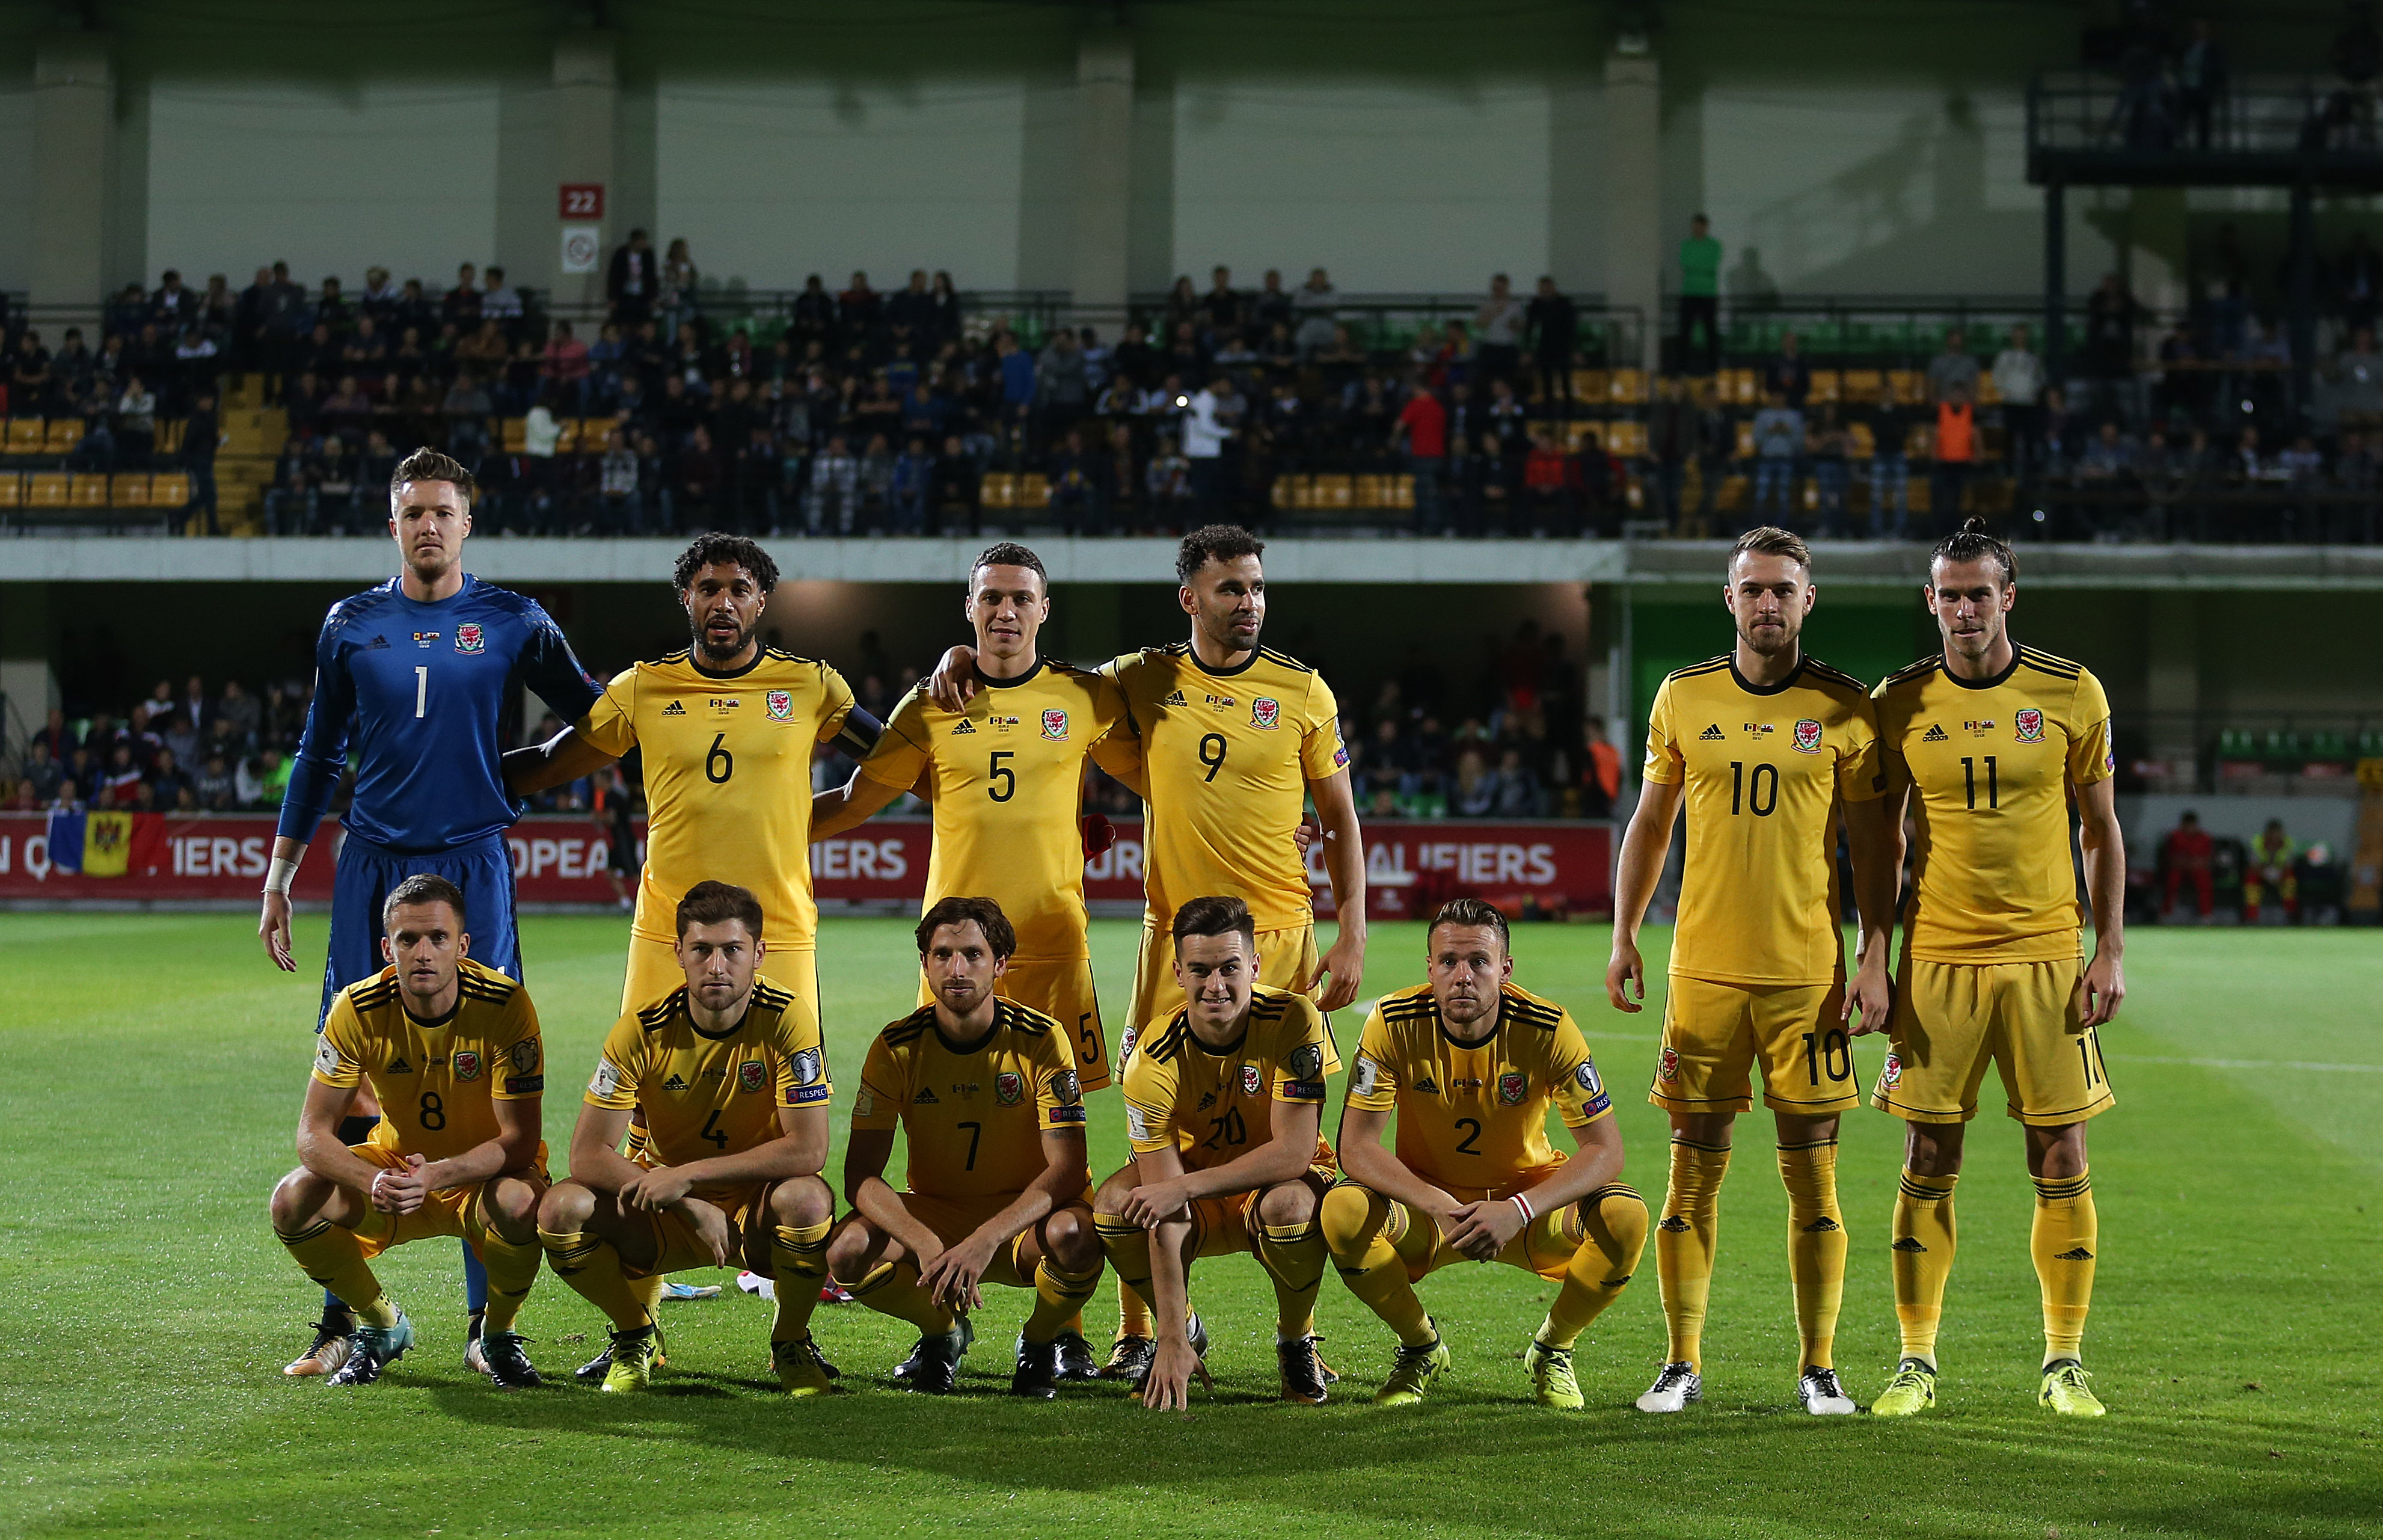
[(107, 844)]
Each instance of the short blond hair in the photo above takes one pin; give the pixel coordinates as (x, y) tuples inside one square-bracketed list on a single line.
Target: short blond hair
[(1771, 540), (428, 464)]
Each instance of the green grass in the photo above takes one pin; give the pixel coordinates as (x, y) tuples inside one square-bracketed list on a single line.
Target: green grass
[(150, 1073)]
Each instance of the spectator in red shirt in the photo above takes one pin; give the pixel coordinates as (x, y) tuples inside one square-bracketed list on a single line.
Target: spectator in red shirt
[(1422, 430), (2189, 852)]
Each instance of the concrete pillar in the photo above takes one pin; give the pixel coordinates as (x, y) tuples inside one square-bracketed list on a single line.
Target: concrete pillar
[(587, 121), (1576, 192), (74, 111), (1633, 193), (2172, 691), (1104, 175)]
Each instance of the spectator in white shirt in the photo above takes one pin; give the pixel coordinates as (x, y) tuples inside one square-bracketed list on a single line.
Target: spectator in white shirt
[(2018, 380), (1313, 304), (1206, 426), (1499, 324), (499, 299)]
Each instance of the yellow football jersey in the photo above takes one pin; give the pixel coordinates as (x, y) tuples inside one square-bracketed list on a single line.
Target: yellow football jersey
[(973, 1118), (707, 1095), (1229, 756), (1475, 1120), (728, 780), (437, 1082), (1764, 767), (1993, 876), (1210, 1103), (1008, 787)]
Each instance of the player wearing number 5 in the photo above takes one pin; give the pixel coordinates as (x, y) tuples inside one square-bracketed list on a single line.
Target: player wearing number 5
[(1992, 743), (1766, 747), (1006, 776), (728, 728)]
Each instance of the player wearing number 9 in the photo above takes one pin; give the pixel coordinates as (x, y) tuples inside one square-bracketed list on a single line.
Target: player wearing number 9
[(1768, 749)]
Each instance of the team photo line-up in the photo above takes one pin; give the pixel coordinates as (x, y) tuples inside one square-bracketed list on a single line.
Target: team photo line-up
[(702, 1140)]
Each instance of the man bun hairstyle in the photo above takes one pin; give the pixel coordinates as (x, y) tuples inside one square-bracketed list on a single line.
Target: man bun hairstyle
[(1213, 543), (717, 548), (1217, 916), (1471, 912), (983, 912), (1008, 553), (428, 464), (1771, 540), (423, 887), (1972, 543), (716, 903)]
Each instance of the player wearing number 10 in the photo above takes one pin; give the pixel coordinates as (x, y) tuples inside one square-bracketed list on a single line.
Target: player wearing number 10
[(1766, 746)]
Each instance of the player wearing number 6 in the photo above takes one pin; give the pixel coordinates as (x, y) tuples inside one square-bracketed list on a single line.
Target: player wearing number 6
[(727, 727), (1992, 743), (1766, 747)]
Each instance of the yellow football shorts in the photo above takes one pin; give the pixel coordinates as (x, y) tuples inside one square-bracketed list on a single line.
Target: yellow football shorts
[(1545, 1246), (1952, 1019), (954, 1219), (654, 972), (1714, 1032), (1061, 988), (1287, 960), (1229, 1222), (453, 1211), (676, 1246)]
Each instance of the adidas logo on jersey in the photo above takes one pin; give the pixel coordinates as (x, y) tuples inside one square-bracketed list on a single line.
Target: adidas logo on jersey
[(1428, 1087), (924, 1099), (1936, 735), (963, 725), (1207, 1100), (1712, 734), (1174, 698), (399, 1066), (378, 644), (675, 1083), (674, 709)]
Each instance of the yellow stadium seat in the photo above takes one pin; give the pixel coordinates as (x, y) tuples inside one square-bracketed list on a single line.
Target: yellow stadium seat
[(1826, 387), (1861, 386), (24, 436), (516, 434), (12, 488), (169, 489), (1628, 439), (998, 489), (593, 432), (1034, 490), (1334, 492), (566, 437), (1628, 386), (1919, 443), (1861, 444), (1372, 491), (1745, 450), (170, 431), (128, 490), (46, 490), (1291, 491), (87, 492), (1577, 434), (62, 434), (1911, 385), (1988, 394), (1589, 385)]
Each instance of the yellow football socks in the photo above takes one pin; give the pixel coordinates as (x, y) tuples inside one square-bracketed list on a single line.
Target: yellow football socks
[(2065, 1235), (1611, 1223), (512, 1269), (1816, 1247), (1922, 1253), (1058, 1297), (1293, 1256), (1133, 1313), (331, 1257), (892, 1288), (1683, 1244), (587, 1265), (798, 1252), (1352, 1222), (1127, 1245)]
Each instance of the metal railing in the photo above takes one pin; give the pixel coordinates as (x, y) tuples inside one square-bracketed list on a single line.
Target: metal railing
[(2261, 116), (1387, 323)]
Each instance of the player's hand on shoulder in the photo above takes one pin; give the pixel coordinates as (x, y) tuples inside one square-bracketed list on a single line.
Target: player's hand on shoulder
[(954, 682), (1625, 976)]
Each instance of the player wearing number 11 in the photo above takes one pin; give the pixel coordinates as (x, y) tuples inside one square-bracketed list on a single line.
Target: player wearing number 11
[(1766, 746)]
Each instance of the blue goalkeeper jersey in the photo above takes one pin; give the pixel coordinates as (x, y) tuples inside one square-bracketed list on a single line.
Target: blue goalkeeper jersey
[(420, 691)]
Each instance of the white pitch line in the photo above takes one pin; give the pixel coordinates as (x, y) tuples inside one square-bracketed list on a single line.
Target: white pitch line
[(2252, 1064)]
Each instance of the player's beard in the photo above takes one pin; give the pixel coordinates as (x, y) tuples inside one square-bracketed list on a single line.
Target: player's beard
[(1770, 644), (715, 653)]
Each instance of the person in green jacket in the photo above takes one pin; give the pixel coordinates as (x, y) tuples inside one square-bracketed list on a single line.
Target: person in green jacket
[(1699, 299)]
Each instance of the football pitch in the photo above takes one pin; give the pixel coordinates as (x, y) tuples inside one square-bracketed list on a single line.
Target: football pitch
[(151, 1068)]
